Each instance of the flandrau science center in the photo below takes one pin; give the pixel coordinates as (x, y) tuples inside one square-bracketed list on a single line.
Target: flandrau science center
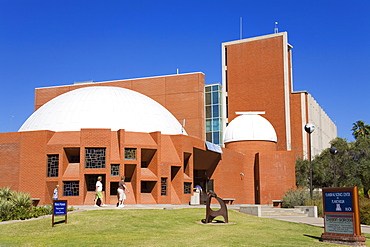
[(168, 134)]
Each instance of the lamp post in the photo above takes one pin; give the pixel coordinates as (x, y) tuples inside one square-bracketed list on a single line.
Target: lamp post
[(309, 128), (333, 152)]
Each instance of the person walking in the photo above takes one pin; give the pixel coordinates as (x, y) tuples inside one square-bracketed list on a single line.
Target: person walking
[(99, 193), (55, 192), (121, 196)]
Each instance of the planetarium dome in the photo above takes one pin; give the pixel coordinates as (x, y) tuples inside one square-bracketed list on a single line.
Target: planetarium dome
[(250, 126), (103, 107)]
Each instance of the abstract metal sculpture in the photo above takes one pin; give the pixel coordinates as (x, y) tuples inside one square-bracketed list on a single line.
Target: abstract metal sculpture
[(211, 214)]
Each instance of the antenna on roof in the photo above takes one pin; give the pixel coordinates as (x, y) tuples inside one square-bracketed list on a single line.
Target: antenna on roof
[(276, 30), (241, 28)]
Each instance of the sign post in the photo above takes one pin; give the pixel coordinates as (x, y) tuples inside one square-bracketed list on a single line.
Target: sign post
[(342, 216), (59, 209)]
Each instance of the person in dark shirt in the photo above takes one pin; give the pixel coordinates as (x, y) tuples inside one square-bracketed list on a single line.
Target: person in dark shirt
[(122, 189)]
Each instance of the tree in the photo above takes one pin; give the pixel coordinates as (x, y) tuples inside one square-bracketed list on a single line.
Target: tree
[(361, 155), (302, 173), (360, 129)]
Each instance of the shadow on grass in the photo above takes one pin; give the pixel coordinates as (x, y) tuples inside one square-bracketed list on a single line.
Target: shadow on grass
[(59, 222), (310, 236)]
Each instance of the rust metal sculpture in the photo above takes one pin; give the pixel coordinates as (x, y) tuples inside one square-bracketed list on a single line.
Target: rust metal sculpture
[(211, 214)]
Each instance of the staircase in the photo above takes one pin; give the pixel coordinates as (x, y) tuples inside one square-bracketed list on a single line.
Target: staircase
[(281, 212)]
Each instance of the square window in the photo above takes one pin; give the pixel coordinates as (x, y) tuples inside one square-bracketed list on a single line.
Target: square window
[(53, 165), (71, 188), (95, 158), (187, 188), (130, 153), (114, 170)]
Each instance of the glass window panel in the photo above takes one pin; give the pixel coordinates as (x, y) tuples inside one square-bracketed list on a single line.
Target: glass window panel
[(215, 99), (214, 88), (53, 165), (208, 112), (209, 137), (114, 170), (216, 125), (208, 98), (208, 125), (71, 188), (216, 137), (95, 158), (215, 111), (187, 188), (208, 88), (130, 153), (163, 186)]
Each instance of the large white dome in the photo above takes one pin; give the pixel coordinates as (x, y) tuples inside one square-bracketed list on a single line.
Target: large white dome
[(249, 127), (102, 107)]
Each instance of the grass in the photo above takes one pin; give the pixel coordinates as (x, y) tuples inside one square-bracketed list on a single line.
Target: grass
[(155, 227)]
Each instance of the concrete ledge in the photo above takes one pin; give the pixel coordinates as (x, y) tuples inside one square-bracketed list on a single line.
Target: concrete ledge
[(251, 209), (311, 211)]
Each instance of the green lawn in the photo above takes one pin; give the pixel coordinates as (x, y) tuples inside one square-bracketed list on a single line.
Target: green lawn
[(158, 227)]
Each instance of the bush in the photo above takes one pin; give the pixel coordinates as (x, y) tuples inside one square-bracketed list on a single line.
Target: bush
[(16, 205), (293, 198), (364, 205), (301, 197)]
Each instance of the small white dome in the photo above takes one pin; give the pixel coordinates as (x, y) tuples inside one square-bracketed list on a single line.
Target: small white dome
[(249, 127), (102, 107)]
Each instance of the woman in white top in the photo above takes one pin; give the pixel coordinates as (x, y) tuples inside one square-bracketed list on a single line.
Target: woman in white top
[(99, 193)]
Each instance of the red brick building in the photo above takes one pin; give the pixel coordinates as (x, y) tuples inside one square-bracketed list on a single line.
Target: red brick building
[(152, 130)]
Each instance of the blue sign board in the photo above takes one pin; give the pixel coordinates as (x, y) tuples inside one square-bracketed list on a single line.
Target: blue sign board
[(340, 201), (60, 207)]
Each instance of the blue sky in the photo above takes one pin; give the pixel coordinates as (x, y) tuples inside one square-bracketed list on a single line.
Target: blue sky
[(48, 43)]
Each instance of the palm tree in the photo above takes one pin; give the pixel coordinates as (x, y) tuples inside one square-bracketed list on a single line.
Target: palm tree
[(360, 129)]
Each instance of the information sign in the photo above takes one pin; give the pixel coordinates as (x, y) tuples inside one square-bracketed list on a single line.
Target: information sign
[(340, 201), (339, 223), (342, 217), (59, 209)]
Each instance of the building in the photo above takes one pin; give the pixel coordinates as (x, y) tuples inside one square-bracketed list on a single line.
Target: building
[(157, 131), (257, 76)]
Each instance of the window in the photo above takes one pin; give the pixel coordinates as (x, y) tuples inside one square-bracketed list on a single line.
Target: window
[(163, 186), (147, 186), (95, 158), (114, 170), (213, 114), (113, 188), (72, 154), (71, 188), (53, 165), (187, 188), (130, 153), (91, 179)]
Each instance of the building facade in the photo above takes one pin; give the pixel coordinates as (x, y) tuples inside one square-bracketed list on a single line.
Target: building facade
[(257, 76), (156, 131)]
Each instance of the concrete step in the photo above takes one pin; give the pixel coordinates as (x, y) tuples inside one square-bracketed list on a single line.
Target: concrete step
[(281, 212)]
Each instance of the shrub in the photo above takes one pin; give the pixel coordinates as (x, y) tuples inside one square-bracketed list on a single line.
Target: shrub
[(293, 198), (16, 205), (364, 205)]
